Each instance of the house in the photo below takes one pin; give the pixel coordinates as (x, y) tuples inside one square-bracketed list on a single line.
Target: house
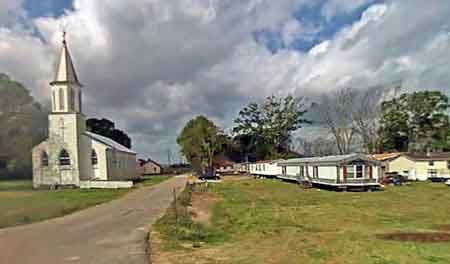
[(71, 156), (422, 166), (148, 167), (385, 159), (352, 171)]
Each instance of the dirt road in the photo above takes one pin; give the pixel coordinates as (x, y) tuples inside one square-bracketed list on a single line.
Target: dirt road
[(112, 233)]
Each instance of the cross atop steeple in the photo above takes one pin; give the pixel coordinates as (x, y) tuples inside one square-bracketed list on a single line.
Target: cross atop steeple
[(64, 37), (65, 71)]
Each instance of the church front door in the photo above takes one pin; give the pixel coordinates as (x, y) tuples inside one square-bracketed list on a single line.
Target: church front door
[(67, 177)]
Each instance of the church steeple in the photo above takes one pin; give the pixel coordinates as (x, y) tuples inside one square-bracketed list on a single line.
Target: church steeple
[(65, 71), (66, 88)]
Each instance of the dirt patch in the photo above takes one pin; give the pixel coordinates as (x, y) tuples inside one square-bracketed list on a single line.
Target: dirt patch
[(236, 178), (202, 204), (443, 227), (431, 237)]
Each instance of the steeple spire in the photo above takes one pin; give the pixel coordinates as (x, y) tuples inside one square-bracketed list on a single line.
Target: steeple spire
[(65, 71)]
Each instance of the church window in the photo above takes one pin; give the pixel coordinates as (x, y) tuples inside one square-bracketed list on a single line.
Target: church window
[(44, 159), (54, 100), (64, 158), (79, 101), (72, 99), (61, 100), (94, 157)]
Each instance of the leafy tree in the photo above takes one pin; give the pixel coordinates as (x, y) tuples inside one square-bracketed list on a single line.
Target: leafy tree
[(107, 129), (24, 124), (200, 140), (269, 125), (415, 122)]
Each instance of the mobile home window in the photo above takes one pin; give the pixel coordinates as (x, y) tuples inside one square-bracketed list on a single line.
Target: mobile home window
[(448, 164), (316, 172), (350, 172), (302, 171), (359, 171), (431, 162), (264, 167), (432, 173)]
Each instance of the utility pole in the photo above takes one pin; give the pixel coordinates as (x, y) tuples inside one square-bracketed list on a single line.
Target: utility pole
[(169, 161)]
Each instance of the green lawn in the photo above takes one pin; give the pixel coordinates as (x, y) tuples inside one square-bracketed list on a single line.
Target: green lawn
[(274, 222), (19, 204)]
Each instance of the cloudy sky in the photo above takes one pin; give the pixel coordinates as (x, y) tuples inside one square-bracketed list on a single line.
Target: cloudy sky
[(151, 65)]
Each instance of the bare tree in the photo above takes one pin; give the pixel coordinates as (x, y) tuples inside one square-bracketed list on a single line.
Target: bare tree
[(336, 111), (319, 146), (366, 113)]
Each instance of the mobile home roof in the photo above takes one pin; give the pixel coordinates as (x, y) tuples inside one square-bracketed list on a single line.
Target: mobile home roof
[(327, 160)]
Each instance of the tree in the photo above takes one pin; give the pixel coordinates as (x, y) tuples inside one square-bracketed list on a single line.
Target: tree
[(367, 113), (270, 124), (107, 129), (319, 146), (24, 124), (336, 112), (200, 140), (415, 122)]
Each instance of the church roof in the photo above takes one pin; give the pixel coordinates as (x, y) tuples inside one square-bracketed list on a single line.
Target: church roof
[(108, 142), (65, 71)]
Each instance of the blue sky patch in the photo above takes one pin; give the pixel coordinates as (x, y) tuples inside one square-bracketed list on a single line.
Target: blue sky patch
[(47, 8), (311, 15)]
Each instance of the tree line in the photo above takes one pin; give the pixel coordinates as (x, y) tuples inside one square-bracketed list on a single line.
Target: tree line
[(372, 120)]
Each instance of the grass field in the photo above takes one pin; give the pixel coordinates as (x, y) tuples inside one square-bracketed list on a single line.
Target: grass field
[(19, 204), (264, 221)]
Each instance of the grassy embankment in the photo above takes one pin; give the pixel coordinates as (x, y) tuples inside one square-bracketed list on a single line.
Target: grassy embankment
[(19, 204), (274, 222)]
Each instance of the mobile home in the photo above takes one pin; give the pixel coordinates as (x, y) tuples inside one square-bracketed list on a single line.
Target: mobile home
[(352, 171), (266, 169)]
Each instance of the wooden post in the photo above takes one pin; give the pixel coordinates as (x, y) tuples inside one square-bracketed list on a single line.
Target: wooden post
[(175, 205)]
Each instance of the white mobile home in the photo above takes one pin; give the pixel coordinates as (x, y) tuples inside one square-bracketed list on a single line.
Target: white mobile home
[(353, 171), (266, 169)]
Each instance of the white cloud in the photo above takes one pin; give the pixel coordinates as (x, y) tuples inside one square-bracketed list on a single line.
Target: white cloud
[(151, 65)]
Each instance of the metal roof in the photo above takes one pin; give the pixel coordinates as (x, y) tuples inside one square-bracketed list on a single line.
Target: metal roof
[(108, 142), (328, 160)]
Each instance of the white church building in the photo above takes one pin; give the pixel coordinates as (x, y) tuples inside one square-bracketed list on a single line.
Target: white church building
[(72, 156)]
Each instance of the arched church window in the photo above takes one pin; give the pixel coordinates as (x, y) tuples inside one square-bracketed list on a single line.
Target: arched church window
[(94, 157), (61, 99), (44, 159), (64, 158)]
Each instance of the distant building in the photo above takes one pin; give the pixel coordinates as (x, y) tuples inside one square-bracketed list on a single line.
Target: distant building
[(385, 159), (223, 164), (148, 167), (424, 166), (72, 156)]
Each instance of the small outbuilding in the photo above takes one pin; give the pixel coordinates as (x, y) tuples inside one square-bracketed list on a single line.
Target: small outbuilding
[(148, 167), (352, 171)]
